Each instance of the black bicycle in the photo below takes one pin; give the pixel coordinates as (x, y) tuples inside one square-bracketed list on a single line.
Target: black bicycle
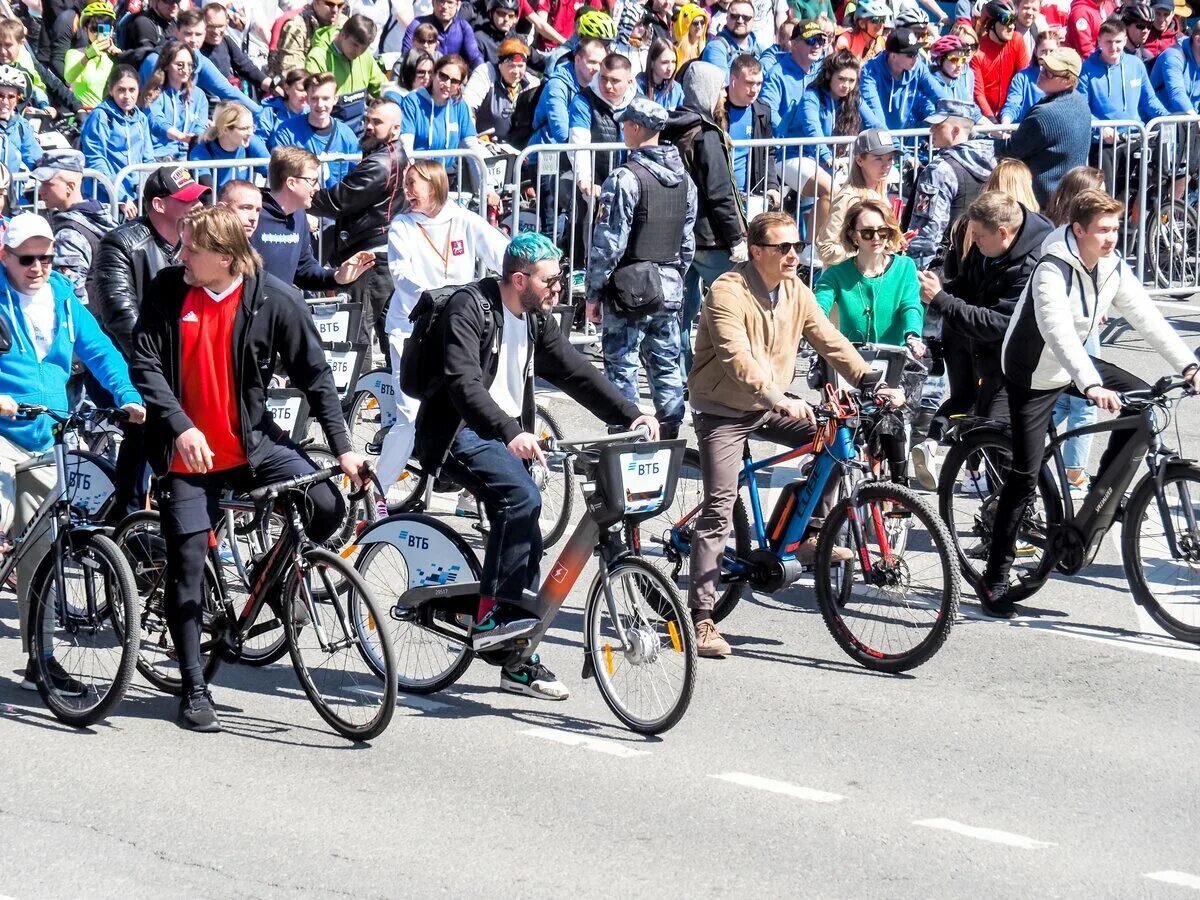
[(1160, 518)]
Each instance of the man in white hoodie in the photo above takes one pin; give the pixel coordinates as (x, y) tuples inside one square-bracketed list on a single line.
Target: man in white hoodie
[(1078, 279)]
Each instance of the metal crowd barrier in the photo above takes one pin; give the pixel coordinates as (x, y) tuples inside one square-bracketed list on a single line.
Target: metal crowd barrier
[(93, 183), (1169, 221)]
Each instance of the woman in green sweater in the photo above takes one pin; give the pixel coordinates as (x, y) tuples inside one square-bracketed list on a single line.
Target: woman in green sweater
[(877, 296)]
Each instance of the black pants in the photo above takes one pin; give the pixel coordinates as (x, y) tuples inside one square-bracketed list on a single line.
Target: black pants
[(189, 507), (373, 290), (970, 390), (1030, 413)]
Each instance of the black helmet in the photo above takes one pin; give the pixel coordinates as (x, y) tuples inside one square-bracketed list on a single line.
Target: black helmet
[(506, 5), (1137, 14), (997, 9)]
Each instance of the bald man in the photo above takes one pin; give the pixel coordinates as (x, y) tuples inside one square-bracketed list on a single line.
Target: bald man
[(245, 199), (362, 205)]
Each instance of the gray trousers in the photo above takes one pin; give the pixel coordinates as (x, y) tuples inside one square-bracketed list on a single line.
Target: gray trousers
[(21, 493)]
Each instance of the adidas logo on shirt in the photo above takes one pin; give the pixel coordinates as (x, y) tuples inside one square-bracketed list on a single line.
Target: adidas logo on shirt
[(191, 317)]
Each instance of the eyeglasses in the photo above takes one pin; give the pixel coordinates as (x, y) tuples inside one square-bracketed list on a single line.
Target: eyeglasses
[(819, 40), (310, 179), (1005, 20), (446, 79), (513, 58), (28, 259), (182, 66), (738, 17), (885, 233), (784, 247)]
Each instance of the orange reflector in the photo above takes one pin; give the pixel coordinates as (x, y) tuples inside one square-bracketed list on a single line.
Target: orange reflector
[(674, 632), (608, 658), (349, 551), (371, 621), (372, 403)]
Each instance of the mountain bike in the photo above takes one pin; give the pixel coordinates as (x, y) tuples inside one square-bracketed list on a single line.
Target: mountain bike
[(82, 597), (1160, 518), (892, 606), (639, 644)]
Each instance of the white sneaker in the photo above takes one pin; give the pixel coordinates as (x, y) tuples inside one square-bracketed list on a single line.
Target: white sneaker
[(976, 483), (533, 680), (924, 463), (467, 505)]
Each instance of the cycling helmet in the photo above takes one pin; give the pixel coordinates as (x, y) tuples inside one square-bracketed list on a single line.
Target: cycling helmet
[(12, 77), (996, 9), (874, 9), (597, 24), (506, 5), (99, 8), (912, 17), (1137, 14), (944, 46)]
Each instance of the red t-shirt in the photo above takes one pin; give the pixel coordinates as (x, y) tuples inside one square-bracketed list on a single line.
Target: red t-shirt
[(208, 392), (559, 13)]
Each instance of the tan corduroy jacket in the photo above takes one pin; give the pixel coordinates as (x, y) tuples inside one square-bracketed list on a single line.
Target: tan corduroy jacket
[(745, 355)]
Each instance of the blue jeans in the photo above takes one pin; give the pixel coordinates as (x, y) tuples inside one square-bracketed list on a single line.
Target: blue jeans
[(502, 483), (1076, 413), (654, 340), (707, 266)]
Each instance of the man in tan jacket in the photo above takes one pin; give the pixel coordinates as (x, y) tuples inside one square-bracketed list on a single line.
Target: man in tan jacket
[(749, 334)]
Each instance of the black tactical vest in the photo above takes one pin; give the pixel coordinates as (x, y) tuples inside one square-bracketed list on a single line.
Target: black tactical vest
[(656, 236)]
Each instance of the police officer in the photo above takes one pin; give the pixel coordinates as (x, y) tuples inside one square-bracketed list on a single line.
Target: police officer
[(640, 251), (953, 178)]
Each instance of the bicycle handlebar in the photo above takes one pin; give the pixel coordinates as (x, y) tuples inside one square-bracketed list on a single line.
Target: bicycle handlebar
[(552, 444), (33, 410), (270, 491)]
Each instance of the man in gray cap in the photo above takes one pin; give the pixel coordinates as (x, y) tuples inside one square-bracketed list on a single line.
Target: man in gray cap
[(953, 178), (641, 248)]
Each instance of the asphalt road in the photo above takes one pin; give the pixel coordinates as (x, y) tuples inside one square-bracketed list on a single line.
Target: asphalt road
[(1051, 756)]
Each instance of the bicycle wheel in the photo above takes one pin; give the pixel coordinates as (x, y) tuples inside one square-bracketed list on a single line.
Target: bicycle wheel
[(365, 421), (1166, 583), (238, 553), (85, 657), (968, 492), (897, 615), (1173, 239), (666, 539), (333, 653), (647, 678), (430, 653), (356, 512), (555, 482)]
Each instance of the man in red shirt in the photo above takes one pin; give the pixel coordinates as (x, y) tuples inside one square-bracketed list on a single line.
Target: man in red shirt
[(998, 58), (553, 20), (204, 354), (1083, 24)]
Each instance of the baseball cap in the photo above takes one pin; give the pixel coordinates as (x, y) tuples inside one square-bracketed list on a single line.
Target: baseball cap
[(1063, 61), (949, 108), (645, 112), (176, 183), (874, 142), (903, 40), (1162, 4), (24, 226), (805, 29), (55, 161)]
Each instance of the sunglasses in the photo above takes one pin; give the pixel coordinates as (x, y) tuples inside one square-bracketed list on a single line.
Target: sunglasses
[(1050, 73), (957, 59), (885, 233), (549, 281), (738, 17), (784, 247), (819, 40), (970, 48), (1006, 20), (28, 259), (513, 58), (877, 20), (446, 79)]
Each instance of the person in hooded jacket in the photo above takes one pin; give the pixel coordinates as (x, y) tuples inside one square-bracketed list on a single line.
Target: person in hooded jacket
[(896, 85), (690, 30), (1083, 24), (1176, 75), (78, 224), (437, 118), (949, 63), (117, 133), (18, 142), (594, 119), (783, 89), (647, 213), (1165, 30), (1023, 90)]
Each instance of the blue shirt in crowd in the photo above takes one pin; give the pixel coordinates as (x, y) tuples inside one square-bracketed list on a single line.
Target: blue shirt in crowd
[(336, 138)]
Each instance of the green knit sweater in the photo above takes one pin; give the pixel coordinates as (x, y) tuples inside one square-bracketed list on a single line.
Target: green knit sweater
[(881, 310)]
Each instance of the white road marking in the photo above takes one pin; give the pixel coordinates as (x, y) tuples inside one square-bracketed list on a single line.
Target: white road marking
[(985, 834), (416, 701), (779, 787), (1182, 879), (1143, 643), (595, 744)]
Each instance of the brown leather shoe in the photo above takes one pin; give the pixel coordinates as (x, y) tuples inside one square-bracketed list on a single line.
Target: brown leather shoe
[(709, 641), (806, 553)]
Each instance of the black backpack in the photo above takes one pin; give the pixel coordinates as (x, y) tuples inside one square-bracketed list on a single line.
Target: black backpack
[(423, 365), (520, 127)]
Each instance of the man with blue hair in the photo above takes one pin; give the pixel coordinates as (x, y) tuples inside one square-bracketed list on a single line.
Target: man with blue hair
[(475, 426)]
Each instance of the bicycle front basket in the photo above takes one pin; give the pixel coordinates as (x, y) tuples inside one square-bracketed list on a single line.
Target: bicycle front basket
[(636, 480)]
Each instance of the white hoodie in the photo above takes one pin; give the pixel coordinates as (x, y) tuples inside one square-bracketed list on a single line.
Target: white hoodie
[(426, 253)]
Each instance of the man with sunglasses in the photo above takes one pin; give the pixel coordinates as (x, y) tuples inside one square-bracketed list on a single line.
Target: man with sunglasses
[(735, 38), (49, 327), (788, 81), (1001, 55), (897, 84), (296, 35)]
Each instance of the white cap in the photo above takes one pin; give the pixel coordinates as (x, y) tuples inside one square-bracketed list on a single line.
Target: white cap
[(24, 226)]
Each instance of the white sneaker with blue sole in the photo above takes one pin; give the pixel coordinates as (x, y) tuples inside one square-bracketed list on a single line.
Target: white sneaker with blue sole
[(533, 680)]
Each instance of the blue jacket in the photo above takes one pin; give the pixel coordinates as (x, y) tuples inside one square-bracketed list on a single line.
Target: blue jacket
[(444, 127), (770, 57), (171, 110), (27, 379), (815, 118), (893, 103), (670, 99), (112, 140), (18, 144), (960, 88), (285, 245), (216, 178), (274, 113), (1176, 78), (723, 49), (208, 78), (457, 38), (297, 131), (552, 116), (783, 88), (1023, 93), (1119, 91)]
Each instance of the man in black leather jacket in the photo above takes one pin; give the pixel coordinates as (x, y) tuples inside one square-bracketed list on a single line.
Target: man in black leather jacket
[(126, 262), (362, 204)]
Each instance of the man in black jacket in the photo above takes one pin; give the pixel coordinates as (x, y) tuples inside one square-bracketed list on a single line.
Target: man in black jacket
[(145, 31), (205, 353), (282, 238), (976, 306), (477, 425), (362, 205), (501, 20), (224, 53)]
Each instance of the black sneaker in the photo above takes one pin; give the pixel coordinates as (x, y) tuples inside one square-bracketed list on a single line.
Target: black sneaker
[(994, 600), (533, 680), (196, 712), (60, 681), (497, 629)]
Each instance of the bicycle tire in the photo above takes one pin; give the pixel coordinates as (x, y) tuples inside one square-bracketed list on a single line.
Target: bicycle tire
[(553, 526), (367, 683), (269, 653), (996, 443), (679, 635), (1132, 556), (121, 608), (356, 513), (1171, 237), (833, 604), (363, 426)]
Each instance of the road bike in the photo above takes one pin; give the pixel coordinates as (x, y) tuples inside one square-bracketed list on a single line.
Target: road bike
[(639, 644), (892, 606), (1160, 518), (82, 595)]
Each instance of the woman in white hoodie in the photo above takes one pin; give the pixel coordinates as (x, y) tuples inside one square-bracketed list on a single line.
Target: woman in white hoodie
[(435, 244)]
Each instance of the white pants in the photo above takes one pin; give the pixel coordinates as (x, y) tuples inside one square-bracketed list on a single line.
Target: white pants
[(21, 493), (398, 443)]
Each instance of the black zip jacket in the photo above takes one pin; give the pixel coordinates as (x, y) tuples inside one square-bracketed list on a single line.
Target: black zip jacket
[(272, 324), (285, 245), (472, 345), (232, 62), (143, 33), (127, 259), (363, 203), (763, 174), (704, 147)]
